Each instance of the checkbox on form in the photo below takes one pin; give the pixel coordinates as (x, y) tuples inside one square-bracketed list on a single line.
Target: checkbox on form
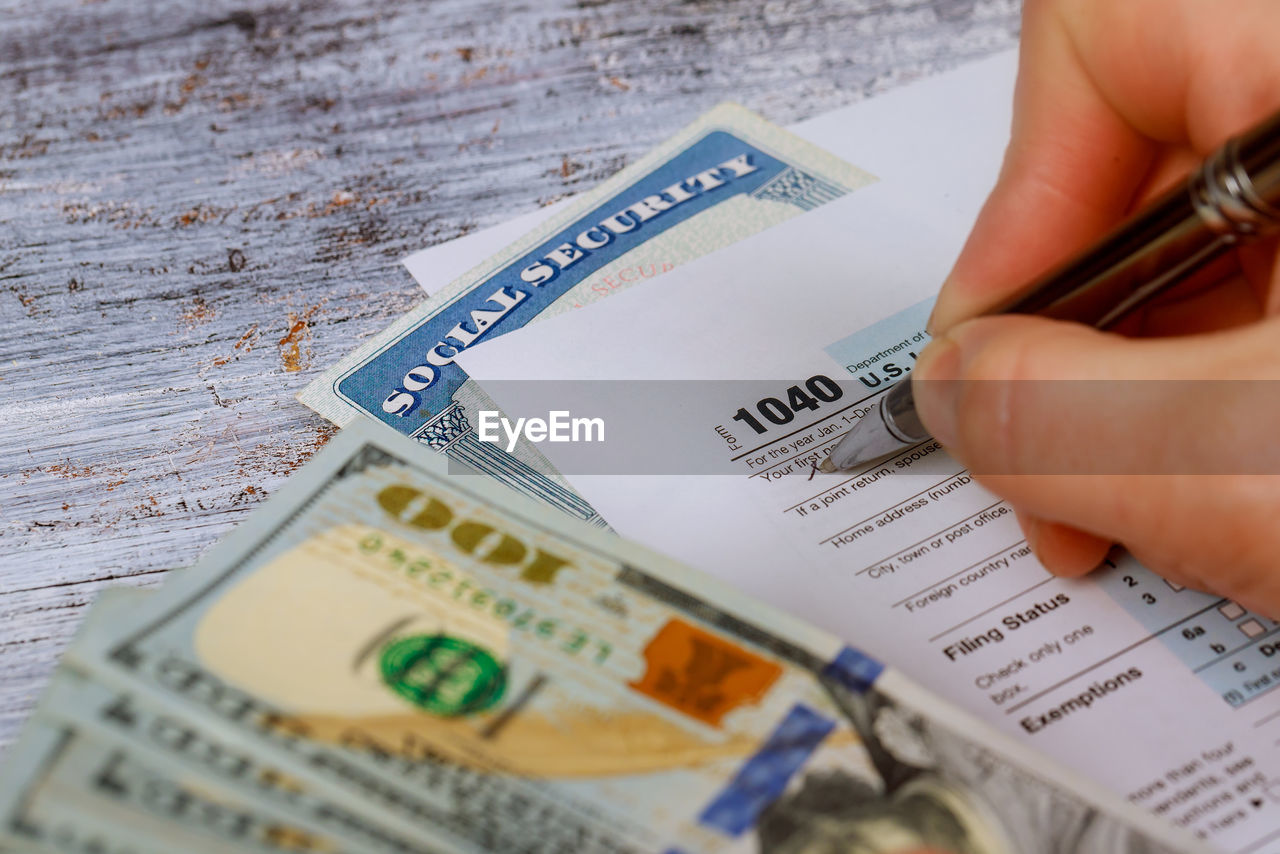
[(1231, 610), (1252, 628)]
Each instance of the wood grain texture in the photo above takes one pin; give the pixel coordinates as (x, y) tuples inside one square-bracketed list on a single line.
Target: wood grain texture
[(203, 203)]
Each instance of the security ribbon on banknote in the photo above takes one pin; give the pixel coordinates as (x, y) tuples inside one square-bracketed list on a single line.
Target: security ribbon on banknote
[(446, 659), (720, 180)]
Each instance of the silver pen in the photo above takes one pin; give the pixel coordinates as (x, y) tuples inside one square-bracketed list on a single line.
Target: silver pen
[(1234, 197)]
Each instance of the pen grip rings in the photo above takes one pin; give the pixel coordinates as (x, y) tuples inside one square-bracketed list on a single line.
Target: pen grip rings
[(1227, 199)]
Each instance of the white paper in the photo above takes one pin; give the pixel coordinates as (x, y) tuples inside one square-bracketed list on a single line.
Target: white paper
[(1159, 693), (437, 266), (907, 135)]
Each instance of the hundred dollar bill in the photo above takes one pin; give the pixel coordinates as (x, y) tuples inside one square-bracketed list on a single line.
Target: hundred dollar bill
[(68, 789), (178, 746), (451, 659), (62, 792), (99, 771), (727, 176)]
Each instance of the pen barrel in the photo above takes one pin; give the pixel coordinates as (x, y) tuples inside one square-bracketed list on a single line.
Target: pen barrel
[(1257, 151), (1232, 198)]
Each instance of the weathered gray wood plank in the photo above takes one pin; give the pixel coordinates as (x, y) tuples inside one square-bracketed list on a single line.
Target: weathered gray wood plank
[(202, 204)]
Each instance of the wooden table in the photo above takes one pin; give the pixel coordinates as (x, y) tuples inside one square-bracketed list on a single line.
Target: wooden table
[(202, 204)]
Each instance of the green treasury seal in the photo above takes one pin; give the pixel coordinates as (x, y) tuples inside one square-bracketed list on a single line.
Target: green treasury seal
[(443, 675)]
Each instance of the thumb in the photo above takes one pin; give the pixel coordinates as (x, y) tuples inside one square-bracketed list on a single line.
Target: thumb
[(1028, 395), (1115, 436)]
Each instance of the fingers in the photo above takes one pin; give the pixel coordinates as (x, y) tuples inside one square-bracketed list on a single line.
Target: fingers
[(1222, 305), (1062, 549), (1113, 100), (1164, 445), (1072, 166), (1259, 264), (1027, 395)]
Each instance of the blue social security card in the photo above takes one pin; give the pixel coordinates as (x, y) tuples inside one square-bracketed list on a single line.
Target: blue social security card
[(727, 176)]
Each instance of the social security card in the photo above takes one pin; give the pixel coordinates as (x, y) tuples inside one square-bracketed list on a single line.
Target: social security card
[(729, 175)]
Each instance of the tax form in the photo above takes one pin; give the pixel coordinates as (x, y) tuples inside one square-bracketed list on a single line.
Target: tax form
[(1163, 694)]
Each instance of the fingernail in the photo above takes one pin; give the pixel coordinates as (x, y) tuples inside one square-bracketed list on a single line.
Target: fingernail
[(931, 325), (1030, 532), (936, 387)]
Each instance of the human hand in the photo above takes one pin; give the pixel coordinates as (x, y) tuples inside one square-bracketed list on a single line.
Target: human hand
[(1114, 103)]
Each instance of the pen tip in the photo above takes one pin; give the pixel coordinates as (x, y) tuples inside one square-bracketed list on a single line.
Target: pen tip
[(827, 466)]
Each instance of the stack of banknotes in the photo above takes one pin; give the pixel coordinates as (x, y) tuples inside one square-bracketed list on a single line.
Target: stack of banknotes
[(396, 657)]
